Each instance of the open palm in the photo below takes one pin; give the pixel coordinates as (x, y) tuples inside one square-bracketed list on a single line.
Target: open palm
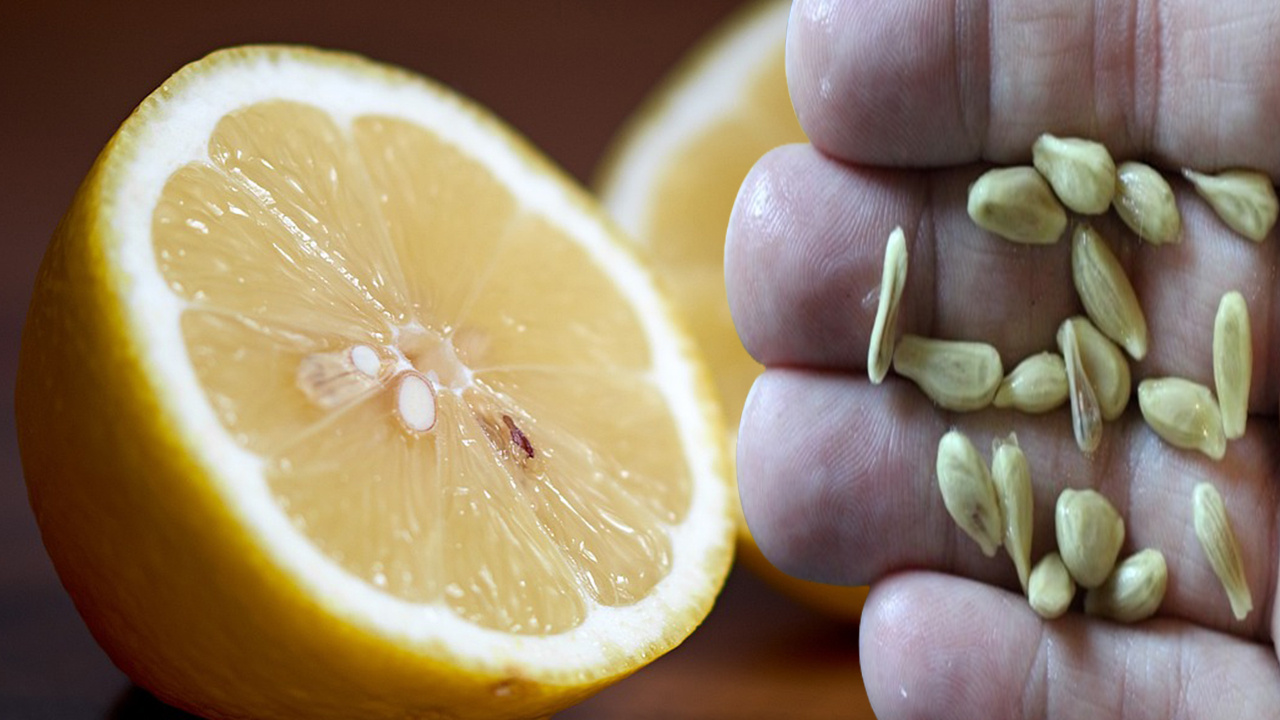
[(905, 104)]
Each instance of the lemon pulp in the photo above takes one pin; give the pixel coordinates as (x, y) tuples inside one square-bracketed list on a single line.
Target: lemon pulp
[(369, 312)]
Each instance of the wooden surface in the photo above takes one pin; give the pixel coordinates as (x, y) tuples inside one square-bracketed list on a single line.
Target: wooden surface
[(564, 73)]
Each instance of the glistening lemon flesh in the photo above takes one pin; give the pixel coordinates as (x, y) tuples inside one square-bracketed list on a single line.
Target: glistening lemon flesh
[(336, 400)]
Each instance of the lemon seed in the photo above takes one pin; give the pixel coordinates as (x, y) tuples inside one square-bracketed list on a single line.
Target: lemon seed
[(1086, 417), (968, 491), (1106, 292), (1232, 363), (1184, 414), (1050, 588), (1017, 204), (1105, 365), (1213, 529), (1134, 590), (956, 375), (1012, 478), (1081, 172), (1145, 202), (892, 279), (1038, 384), (1090, 533), (1243, 199)]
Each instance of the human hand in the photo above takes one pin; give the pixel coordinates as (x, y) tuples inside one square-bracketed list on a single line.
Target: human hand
[(903, 103)]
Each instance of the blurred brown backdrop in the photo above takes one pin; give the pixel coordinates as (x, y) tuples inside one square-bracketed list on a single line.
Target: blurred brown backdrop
[(564, 72)]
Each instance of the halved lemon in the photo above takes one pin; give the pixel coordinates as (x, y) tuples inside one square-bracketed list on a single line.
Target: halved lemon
[(337, 400), (670, 179)]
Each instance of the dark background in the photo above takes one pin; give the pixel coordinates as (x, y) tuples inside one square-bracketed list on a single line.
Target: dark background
[(566, 73)]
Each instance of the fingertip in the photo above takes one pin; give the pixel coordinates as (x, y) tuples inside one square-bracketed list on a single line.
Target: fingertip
[(767, 485), (786, 254), (922, 658), (815, 70), (759, 214), (799, 505), (809, 52), (804, 254), (941, 646), (863, 95)]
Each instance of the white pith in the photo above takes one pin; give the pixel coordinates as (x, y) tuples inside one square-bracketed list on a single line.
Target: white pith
[(174, 130), (709, 91)]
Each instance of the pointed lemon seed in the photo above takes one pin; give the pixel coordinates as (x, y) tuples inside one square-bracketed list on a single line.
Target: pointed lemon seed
[(1081, 172), (892, 279), (1184, 414), (1134, 590), (416, 403), (366, 360), (1017, 204), (1243, 199), (1106, 366), (1012, 478), (1090, 534), (1232, 363), (1086, 417), (1213, 529), (336, 378), (1106, 293), (956, 375), (1050, 587), (968, 491), (1037, 385), (1145, 202)]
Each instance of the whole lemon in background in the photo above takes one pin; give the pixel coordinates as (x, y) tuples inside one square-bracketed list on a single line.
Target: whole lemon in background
[(670, 179), (336, 400)]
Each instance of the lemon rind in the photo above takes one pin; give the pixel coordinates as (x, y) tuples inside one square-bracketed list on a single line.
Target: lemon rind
[(702, 88)]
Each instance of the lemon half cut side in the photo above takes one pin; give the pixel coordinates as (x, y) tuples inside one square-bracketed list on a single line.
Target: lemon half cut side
[(335, 399)]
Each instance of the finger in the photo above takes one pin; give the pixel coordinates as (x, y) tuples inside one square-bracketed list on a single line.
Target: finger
[(934, 646), (939, 82), (838, 485), (805, 249)]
